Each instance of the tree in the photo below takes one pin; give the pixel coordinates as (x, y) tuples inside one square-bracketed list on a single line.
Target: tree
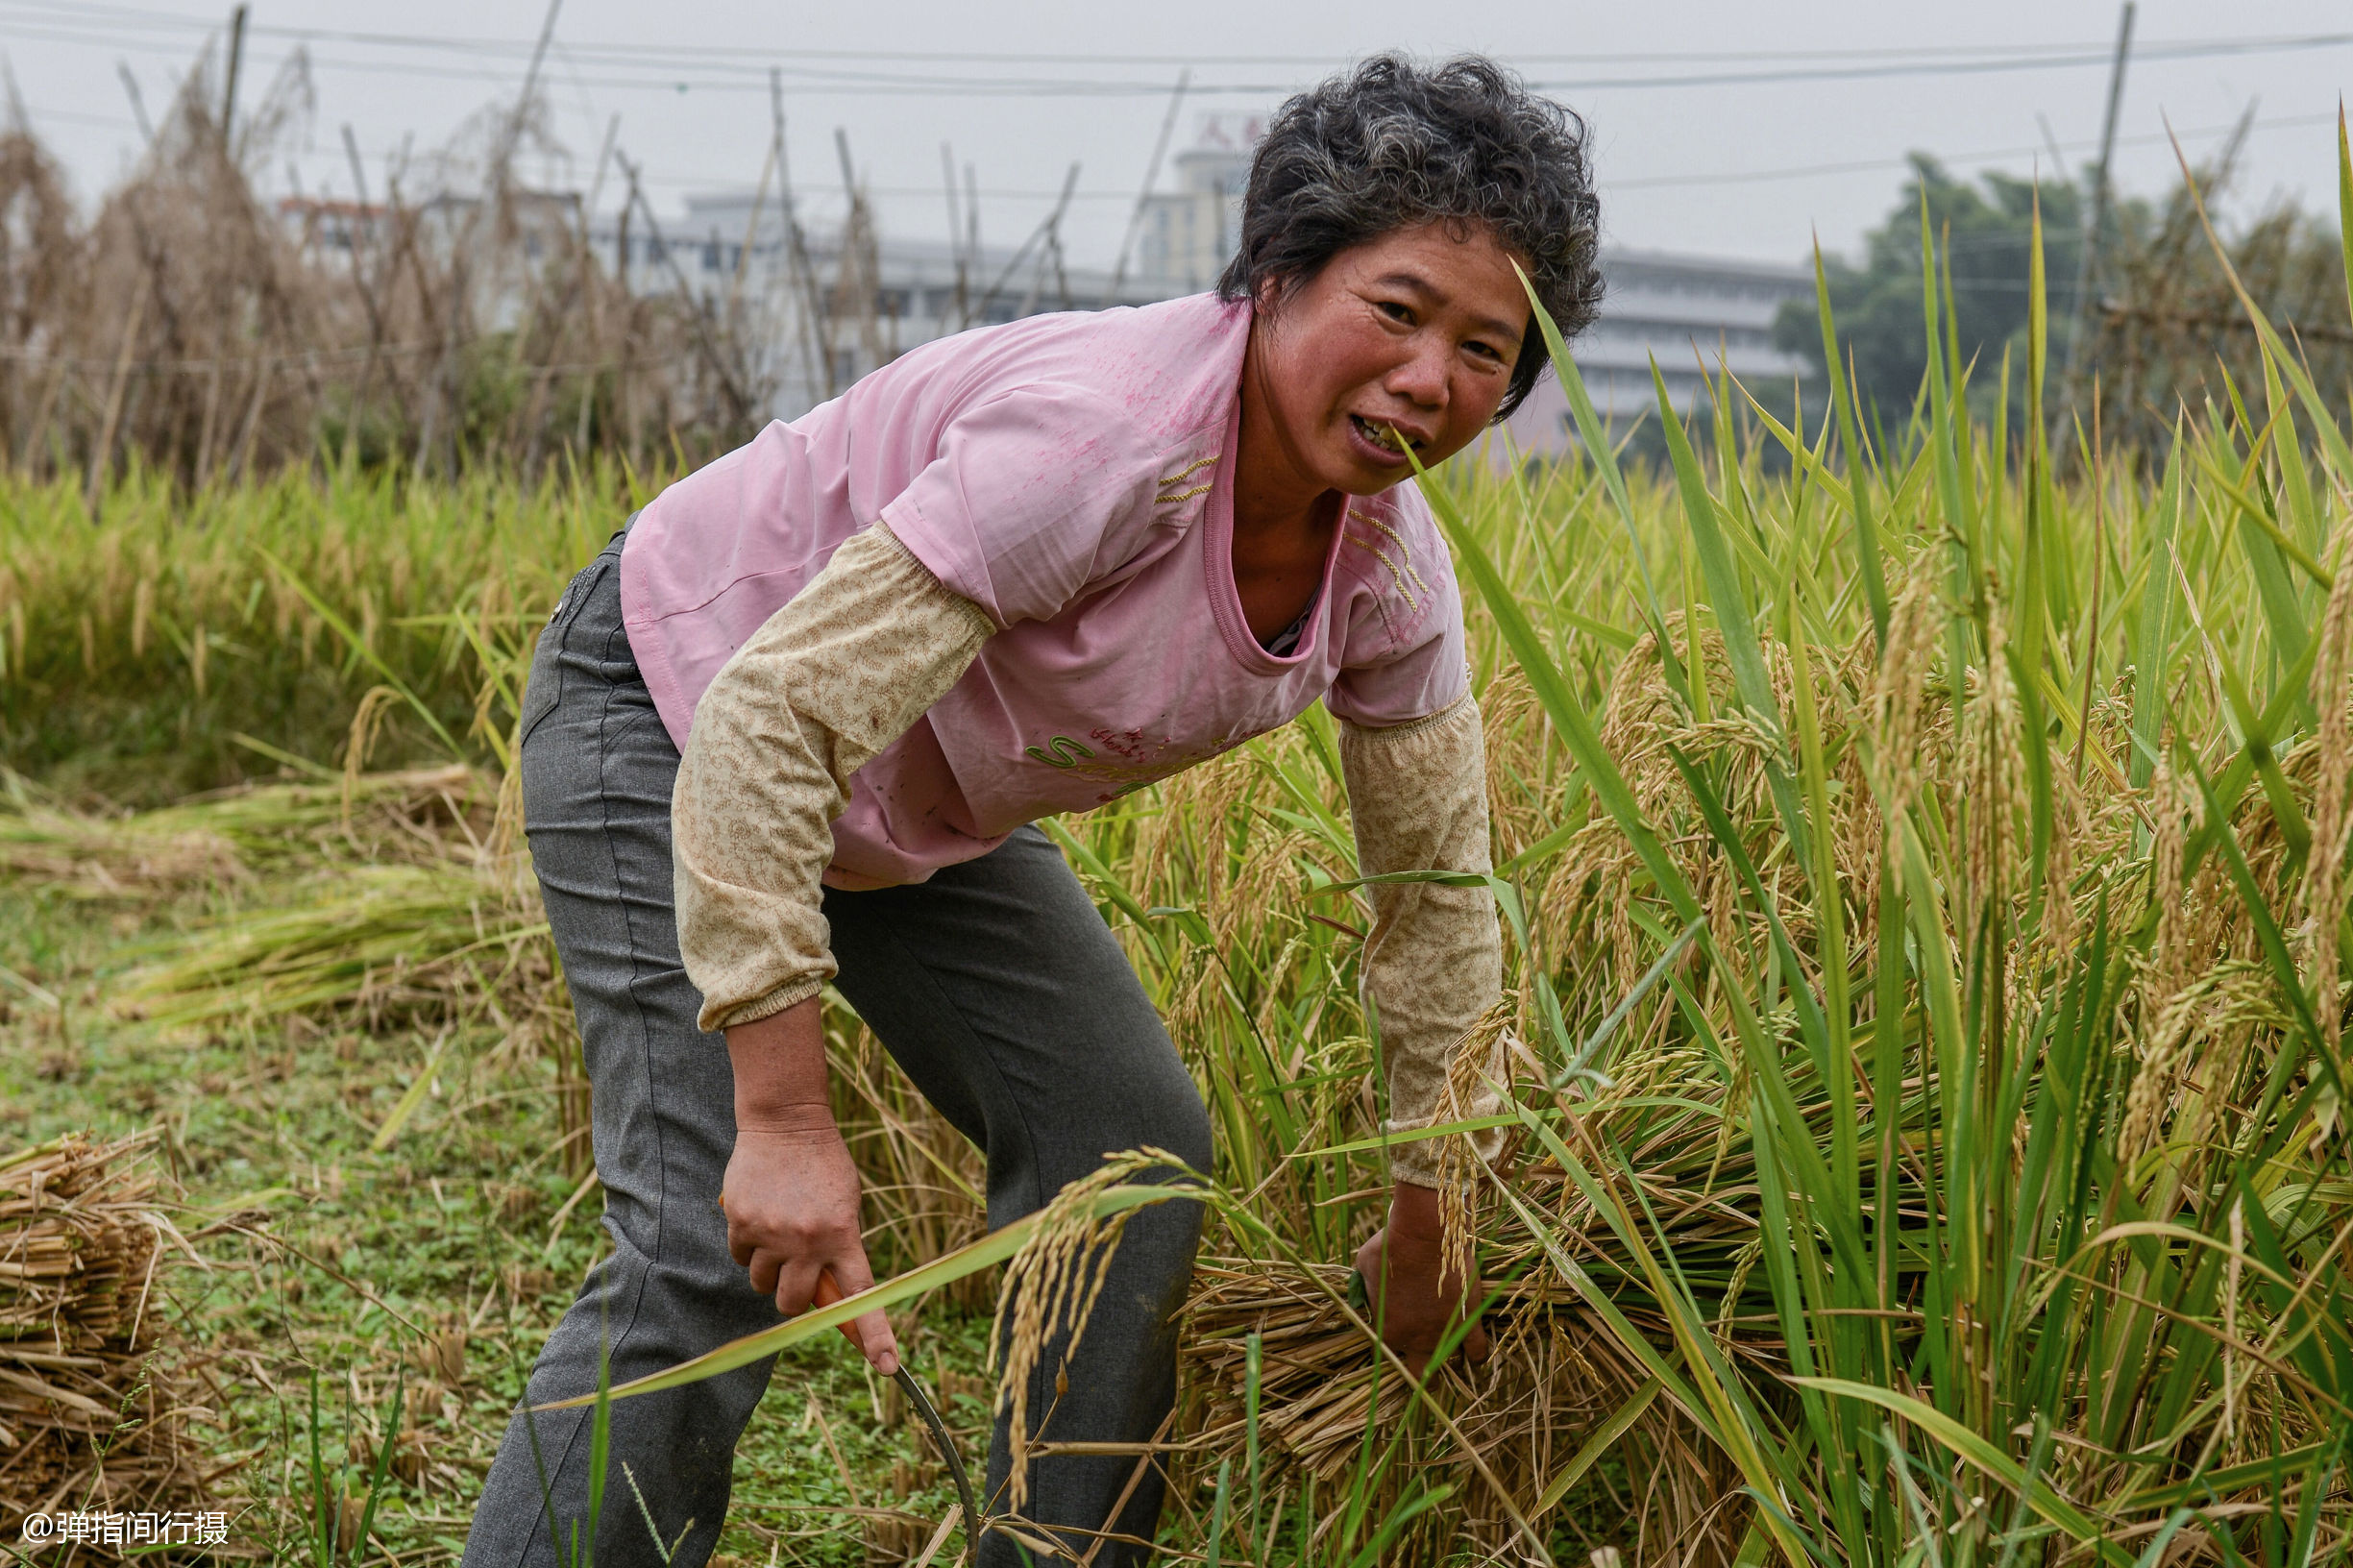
[(2168, 332), (2165, 328), (1985, 232)]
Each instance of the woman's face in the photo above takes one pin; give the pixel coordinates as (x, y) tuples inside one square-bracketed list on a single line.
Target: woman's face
[(1417, 329)]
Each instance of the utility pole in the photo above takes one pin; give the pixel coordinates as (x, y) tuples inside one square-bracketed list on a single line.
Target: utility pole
[(751, 230), (801, 278), (737, 403), (1143, 197), (368, 280), (2096, 215), (971, 217), (859, 271), (138, 104), (530, 87), (236, 62), (1049, 240), (955, 234)]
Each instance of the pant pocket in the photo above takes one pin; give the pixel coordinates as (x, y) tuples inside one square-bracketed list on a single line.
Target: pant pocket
[(542, 687)]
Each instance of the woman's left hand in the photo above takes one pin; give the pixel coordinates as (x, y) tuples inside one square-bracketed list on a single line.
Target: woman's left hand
[(1414, 1299)]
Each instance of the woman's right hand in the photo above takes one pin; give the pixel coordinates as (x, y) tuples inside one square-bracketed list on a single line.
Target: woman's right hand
[(791, 1192), (791, 1197)]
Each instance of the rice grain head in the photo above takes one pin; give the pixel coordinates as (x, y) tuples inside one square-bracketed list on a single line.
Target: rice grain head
[(1899, 695), (1052, 1287), (1478, 1080), (2331, 823)]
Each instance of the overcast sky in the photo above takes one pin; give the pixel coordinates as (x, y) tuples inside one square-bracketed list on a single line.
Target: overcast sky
[(1689, 155)]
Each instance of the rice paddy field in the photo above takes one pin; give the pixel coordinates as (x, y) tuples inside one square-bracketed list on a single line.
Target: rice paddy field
[(1923, 858)]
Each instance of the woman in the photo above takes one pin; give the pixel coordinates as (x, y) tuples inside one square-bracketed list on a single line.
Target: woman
[(794, 724)]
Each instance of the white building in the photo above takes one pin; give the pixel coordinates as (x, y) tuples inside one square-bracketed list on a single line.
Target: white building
[(1185, 235), (1685, 312), (832, 311)]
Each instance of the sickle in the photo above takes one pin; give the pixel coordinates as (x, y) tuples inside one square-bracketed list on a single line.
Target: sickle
[(830, 1291)]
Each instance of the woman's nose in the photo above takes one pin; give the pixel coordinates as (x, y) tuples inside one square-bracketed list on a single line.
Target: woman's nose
[(1420, 378)]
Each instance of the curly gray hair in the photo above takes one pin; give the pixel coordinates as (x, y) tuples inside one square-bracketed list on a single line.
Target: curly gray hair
[(1390, 145)]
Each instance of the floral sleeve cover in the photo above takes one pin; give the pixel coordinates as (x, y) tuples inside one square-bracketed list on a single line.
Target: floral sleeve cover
[(840, 672), (1433, 961)]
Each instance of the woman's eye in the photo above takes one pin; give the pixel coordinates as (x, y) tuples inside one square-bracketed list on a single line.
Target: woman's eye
[(1395, 311)]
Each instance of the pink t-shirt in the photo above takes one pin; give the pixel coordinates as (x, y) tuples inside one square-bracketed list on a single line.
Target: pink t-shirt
[(1072, 475)]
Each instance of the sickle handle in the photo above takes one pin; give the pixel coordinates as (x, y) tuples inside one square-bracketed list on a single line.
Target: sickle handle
[(828, 1292)]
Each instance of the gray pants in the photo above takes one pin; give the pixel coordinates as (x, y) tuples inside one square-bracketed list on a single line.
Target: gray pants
[(1000, 993)]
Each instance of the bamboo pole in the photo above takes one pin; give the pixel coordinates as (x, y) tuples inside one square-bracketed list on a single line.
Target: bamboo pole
[(102, 455)]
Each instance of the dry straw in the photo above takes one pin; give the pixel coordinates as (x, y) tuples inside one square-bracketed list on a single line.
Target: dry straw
[(101, 1408)]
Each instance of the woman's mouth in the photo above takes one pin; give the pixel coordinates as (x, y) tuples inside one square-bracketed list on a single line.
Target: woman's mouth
[(1383, 436)]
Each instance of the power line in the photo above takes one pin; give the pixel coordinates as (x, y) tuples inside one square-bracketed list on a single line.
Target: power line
[(656, 69), (1983, 156), (1609, 185), (142, 19), (1921, 60)]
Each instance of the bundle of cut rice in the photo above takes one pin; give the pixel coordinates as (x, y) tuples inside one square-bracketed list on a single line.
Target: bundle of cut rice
[(96, 1405), (1561, 1376), (418, 815)]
